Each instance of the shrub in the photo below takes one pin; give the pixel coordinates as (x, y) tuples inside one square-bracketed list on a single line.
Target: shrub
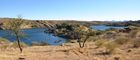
[(134, 34), (100, 43), (110, 47), (136, 43), (110, 34), (122, 40)]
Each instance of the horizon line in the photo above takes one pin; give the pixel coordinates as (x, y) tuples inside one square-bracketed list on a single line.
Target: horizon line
[(77, 19)]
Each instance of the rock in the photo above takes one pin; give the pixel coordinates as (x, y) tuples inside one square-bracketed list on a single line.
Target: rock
[(116, 58), (129, 51), (21, 58)]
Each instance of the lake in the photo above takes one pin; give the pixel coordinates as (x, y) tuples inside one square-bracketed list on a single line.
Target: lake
[(104, 27), (39, 36), (34, 35)]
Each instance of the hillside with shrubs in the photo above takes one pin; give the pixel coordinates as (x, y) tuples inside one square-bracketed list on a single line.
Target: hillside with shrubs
[(83, 42)]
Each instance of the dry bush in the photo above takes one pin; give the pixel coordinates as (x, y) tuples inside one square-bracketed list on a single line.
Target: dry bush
[(136, 43), (110, 47), (100, 43), (135, 34), (122, 40), (110, 34)]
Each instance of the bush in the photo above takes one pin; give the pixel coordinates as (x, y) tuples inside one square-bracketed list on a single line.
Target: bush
[(134, 34), (99, 32), (110, 34), (110, 47), (100, 43), (122, 40), (136, 43)]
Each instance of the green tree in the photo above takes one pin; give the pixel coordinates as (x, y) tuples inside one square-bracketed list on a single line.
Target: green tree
[(74, 31), (83, 33), (15, 25)]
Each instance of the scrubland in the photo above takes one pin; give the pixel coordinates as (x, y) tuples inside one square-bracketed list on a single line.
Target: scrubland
[(111, 44)]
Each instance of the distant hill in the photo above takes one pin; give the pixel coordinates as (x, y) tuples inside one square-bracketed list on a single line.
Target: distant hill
[(45, 23), (125, 23)]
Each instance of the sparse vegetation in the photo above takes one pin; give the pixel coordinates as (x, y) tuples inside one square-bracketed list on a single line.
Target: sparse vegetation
[(110, 47), (136, 43), (122, 40), (98, 43)]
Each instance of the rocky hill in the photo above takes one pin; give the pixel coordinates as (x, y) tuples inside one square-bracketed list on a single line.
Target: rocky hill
[(46, 23)]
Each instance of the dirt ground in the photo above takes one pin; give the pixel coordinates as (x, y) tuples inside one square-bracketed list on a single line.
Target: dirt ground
[(70, 51)]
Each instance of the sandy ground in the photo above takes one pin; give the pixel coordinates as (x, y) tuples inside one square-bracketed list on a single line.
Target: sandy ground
[(70, 51)]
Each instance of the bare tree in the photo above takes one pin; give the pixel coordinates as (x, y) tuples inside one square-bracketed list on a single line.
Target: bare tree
[(15, 26)]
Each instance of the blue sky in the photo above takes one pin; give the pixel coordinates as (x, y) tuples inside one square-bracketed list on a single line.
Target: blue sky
[(71, 9)]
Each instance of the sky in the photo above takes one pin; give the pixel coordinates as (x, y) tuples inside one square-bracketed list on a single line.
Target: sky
[(89, 10)]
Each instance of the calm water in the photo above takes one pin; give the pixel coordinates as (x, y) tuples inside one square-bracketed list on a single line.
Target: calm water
[(34, 35), (39, 36), (104, 27)]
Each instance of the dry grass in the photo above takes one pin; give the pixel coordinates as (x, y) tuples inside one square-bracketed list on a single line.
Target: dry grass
[(70, 51)]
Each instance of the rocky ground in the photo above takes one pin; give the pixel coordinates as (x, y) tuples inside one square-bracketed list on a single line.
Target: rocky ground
[(70, 51)]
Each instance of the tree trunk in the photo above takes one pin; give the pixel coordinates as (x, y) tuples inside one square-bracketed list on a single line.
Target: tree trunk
[(85, 41), (79, 40), (82, 45), (18, 41)]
